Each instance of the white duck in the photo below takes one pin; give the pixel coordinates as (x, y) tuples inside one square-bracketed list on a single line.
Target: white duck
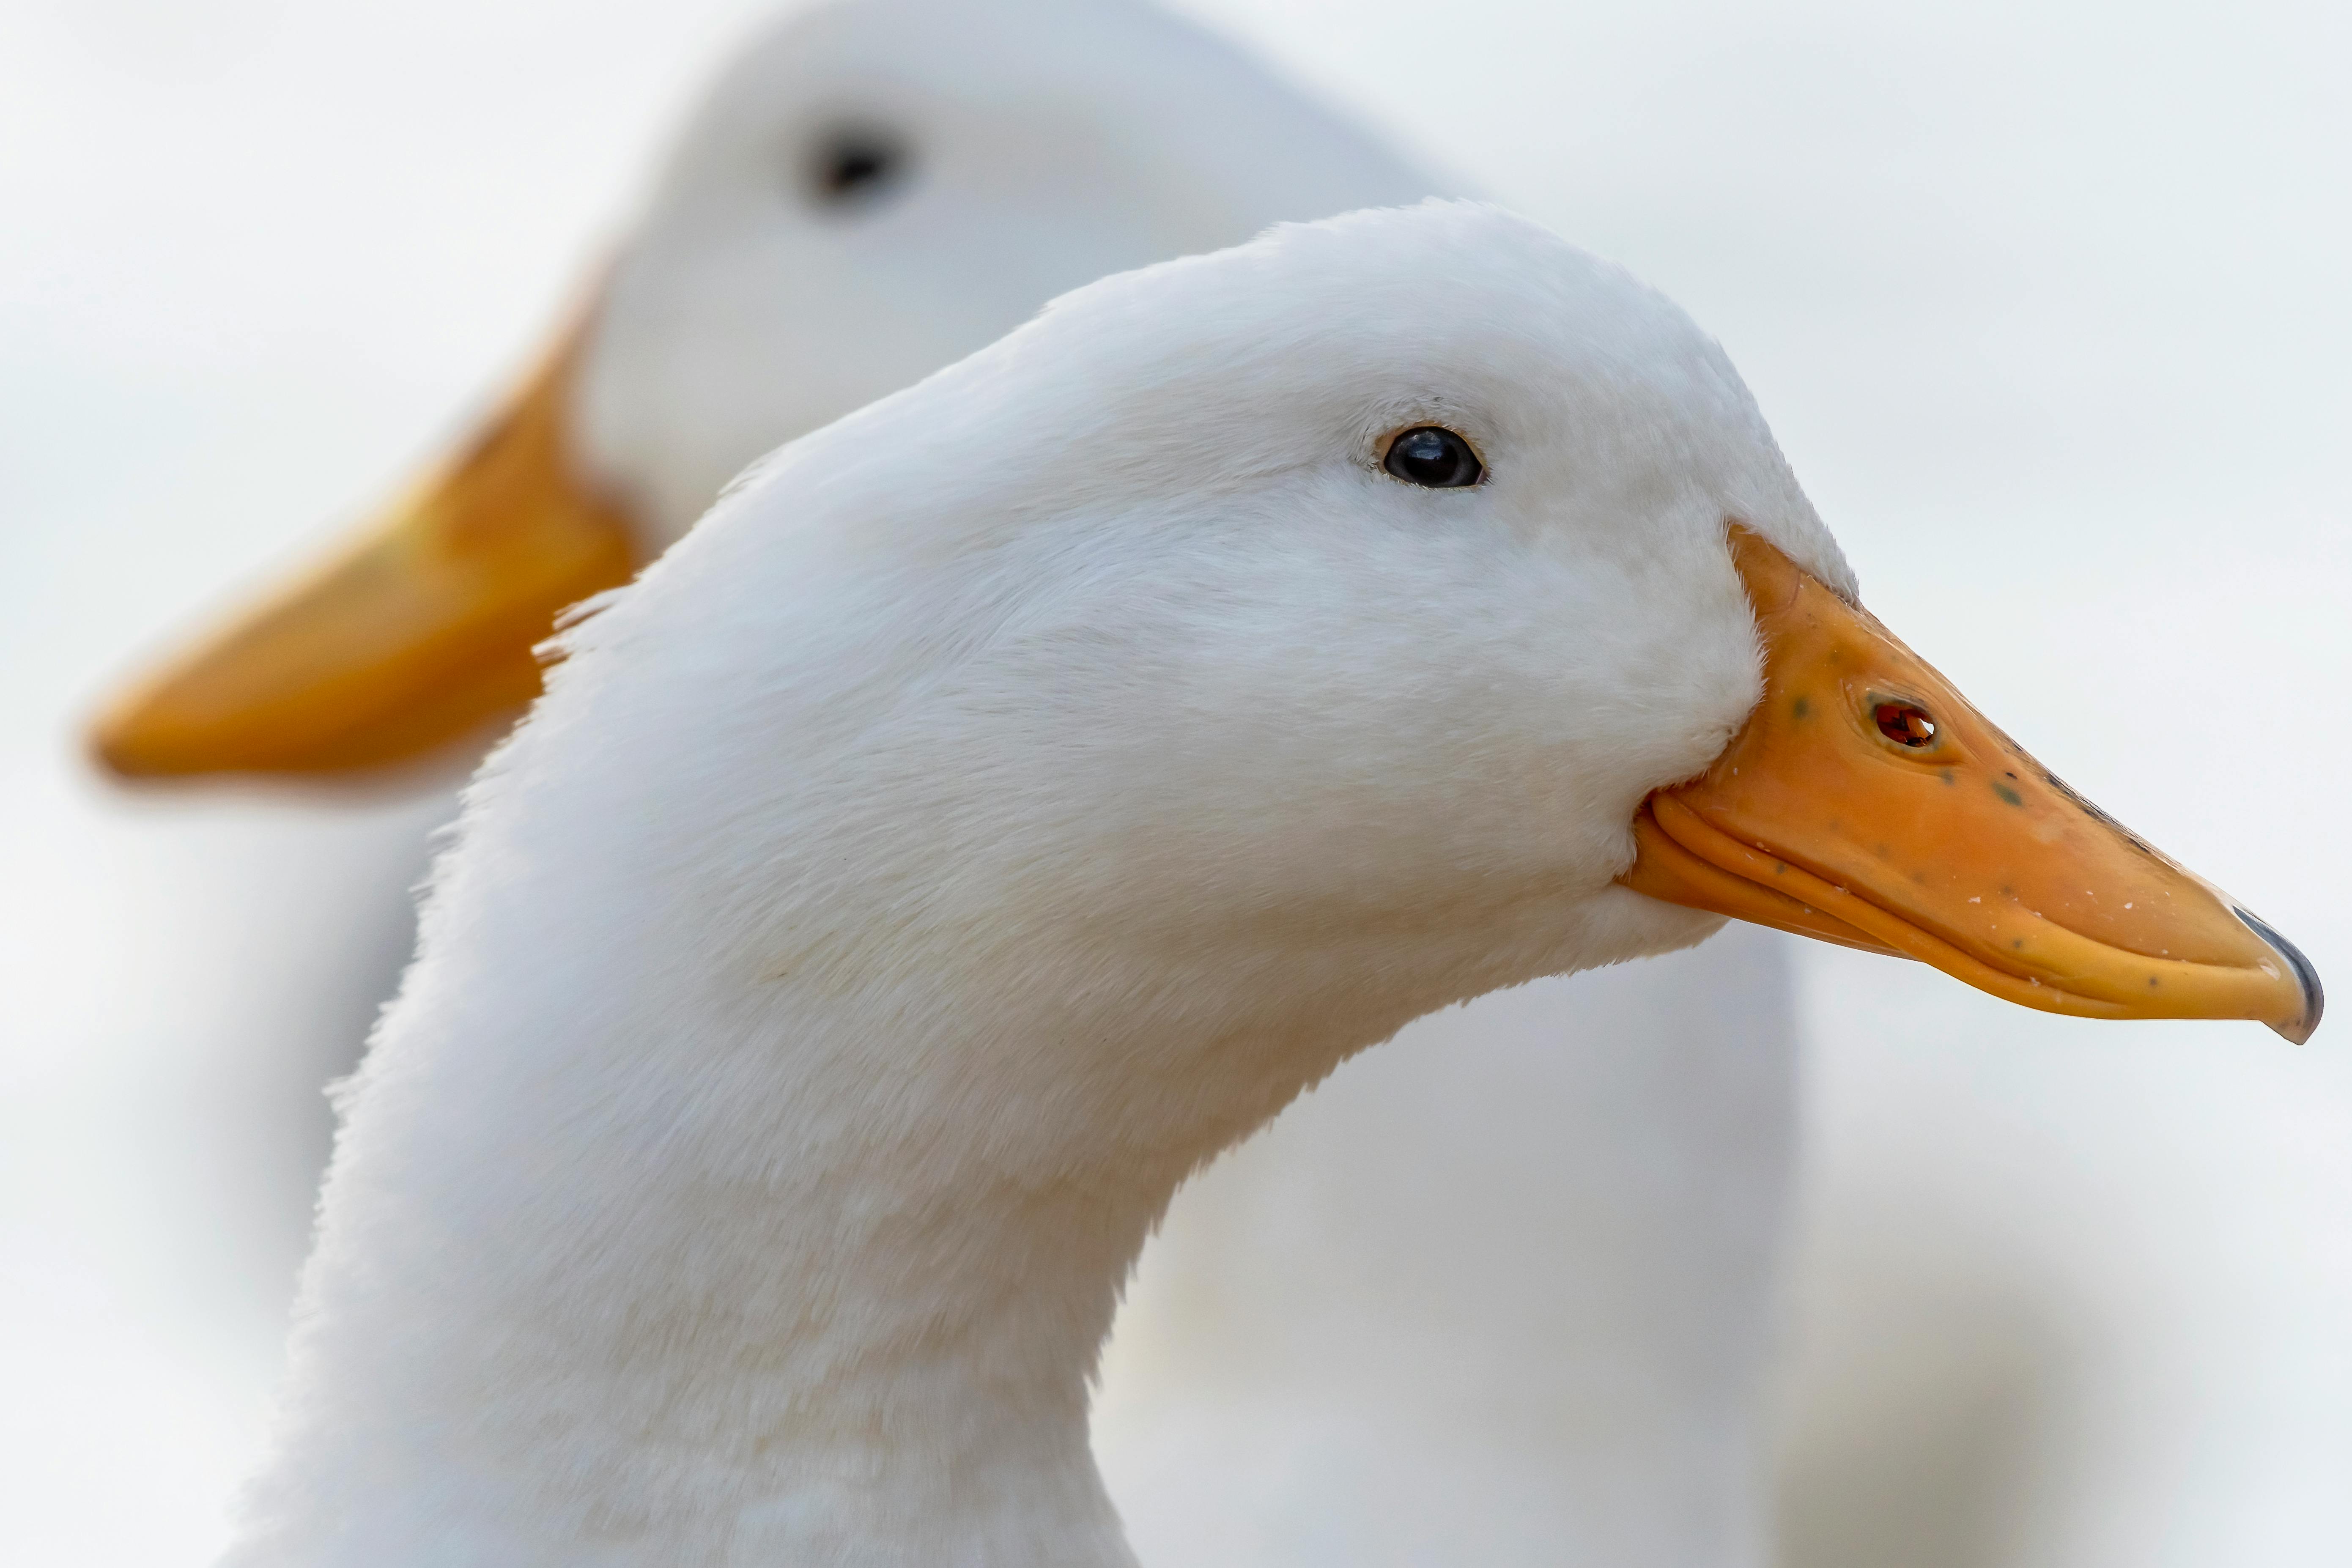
[(1342, 1335), (1016, 793)]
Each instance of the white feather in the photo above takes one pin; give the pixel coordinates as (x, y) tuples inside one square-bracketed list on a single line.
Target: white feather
[(1017, 794), (1547, 1343)]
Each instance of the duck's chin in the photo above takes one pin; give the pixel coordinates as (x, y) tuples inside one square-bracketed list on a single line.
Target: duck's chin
[(1623, 924)]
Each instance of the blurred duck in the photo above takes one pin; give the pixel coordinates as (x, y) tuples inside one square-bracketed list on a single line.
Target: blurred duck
[(1016, 793), (1501, 1291)]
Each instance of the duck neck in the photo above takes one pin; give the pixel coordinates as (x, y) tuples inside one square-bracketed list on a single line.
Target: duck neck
[(703, 1279)]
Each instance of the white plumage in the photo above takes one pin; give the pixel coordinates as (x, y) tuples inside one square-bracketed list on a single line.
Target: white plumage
[(1012, 795), (1503, 1290)]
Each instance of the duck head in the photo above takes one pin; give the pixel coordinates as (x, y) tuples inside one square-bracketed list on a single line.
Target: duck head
[(871, 190), (1417, 568)]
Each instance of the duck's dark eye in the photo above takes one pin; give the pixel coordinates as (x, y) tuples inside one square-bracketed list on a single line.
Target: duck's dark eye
[(853, 166), (1904, 723), (1434, 456)]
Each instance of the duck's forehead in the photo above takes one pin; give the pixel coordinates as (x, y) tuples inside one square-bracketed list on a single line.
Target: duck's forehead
[(1443, 286), (908, 53), (1425, 311), (1105, 112)]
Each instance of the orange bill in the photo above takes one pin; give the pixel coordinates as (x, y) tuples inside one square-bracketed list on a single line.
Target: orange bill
[(416, 636), (1867, 803)]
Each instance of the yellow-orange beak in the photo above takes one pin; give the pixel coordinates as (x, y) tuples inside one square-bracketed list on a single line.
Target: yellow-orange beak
[(415, 636), (1867, 803)]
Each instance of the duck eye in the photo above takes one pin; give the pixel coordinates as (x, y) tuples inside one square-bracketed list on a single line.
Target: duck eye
[(853, 166), (1433, 456), (1904, 723)]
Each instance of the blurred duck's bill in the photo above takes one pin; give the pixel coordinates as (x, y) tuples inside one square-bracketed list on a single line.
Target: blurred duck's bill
[(1867, 803), (415, 636)]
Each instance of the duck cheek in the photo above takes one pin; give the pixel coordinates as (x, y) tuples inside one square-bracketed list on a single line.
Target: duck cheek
[(1867, 803)]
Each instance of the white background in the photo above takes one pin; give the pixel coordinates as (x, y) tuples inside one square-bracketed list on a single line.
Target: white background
[(2047, 304)]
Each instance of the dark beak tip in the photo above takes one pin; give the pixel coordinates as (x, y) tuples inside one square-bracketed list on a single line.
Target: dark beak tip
[(2314, 998)]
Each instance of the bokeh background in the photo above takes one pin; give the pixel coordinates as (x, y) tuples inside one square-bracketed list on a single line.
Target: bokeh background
[(2046, 302)]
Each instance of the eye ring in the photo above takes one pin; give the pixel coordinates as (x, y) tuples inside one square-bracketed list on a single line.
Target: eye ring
[(1433, 457)]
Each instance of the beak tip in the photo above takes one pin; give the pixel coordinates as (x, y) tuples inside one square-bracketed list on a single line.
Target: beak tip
[(2314, 996), (125, 743), (115, 752)]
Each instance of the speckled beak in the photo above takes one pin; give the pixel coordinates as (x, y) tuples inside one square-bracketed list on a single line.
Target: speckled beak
[(414, 635), (1867, 803)]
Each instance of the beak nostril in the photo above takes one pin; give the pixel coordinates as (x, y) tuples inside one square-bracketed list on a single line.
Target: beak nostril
[(1904, 723), (2314, 1000)]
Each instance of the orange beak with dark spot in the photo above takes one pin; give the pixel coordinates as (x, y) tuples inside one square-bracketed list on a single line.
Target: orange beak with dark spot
[(1867, 803), (417, 635)]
